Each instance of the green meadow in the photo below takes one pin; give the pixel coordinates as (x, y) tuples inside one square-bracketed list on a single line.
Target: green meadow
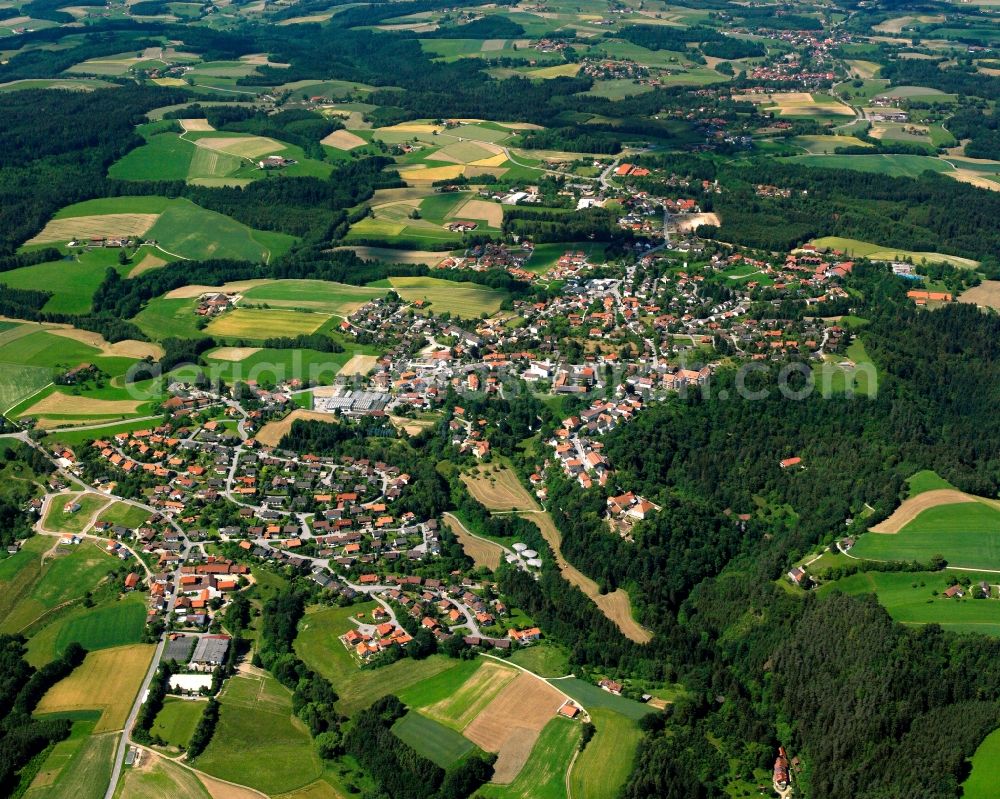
[(176, 722), (71, 281), (467, 300), (603, 767), (432, 739), (909, 166), (966, 534), (985, 775), (544, 775)]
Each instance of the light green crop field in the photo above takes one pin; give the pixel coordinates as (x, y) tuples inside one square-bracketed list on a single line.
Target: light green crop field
[(544, 775), (825, 145), (258, 742), (433, 740), (915, 598), (175, 723), (256, 324), (909, 166), (866, 249), (440, 687), (985, 776), (592, 698), (84, 775), (71, 282), (115, 623), (164, 317), (317, 644), (63, 578), (925, 480), (339, 299), (966, 534), (602, 768), (190, 231), (467, 300), (164, 156), (19, 574)]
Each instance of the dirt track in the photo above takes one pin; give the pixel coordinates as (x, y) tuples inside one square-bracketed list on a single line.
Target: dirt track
[(912, 508)]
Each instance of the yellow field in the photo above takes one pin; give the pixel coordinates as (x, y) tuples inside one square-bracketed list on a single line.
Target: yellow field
[(107, 680), (148, 263), (129, 348), (432, 173), (169, 82), (59, 403), (498, 490), (429, 257), (243, 146), (913, 507), (797, 104), (256, 323), (98, 226), (155, 777), (558, 71), (195, 125), (343, 140), (271, 433), (483, 553), (358, 365), (461, 708), (414, 127), (196, 290), (233, 354), (974, 178), (495, 160), (491, 213), (985, 295)]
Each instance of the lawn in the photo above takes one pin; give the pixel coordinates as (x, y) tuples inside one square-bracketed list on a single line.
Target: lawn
[(594, 698), (175, 723), (317, 644), (982, 782), (258, 742), (966, 534), (915, 598), (59, 520), (432, 739), (121, 513), (257, 323), (925, 480), (158, 778), (544, 775), (602, 768), (546, 659), (63, 578), (467, 300)]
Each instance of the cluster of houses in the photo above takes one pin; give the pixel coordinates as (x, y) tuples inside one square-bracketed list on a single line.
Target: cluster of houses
[(215, 302)]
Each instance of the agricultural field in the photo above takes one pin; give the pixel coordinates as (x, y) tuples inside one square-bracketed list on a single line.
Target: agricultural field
[(432, 739), (107, 681), (72, 281), (282, 760), (802, 104), (337, 299), (270, 435), (916, 598), (825, 145), (908, 166), (318, 646), (603, 767), (483, 553), (594, 698), (176, 722), (59, 577), (985, 295), (111, 623), (499, 489), (544, 773), (546, 659), (258, 323), (155, 777), (926, 480), (279, 365), (77, 768), (465, 300), (866, 249), (966, 534)]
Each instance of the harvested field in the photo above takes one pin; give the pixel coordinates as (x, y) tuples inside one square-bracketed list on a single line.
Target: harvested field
[(510, 724), (386, 255), (219, 789), (129, 348), (195, 125), (432, 174), (271, 433), (413, 127), (190, 292), (59, 403), (358, 365), (498, 490), (914, 506), (463, 706), (97, 226), (483, 552), (493, 161), (976, 179), (690, 222), (148, 263), (258, 323), (491, 213), (233, 354), (155, 777), (243, 146), (107, 680), (985, 295), (343, 140), (616, 606)]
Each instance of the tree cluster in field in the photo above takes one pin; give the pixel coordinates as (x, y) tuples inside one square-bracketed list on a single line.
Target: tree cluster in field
[(401, 772), (21, 688)]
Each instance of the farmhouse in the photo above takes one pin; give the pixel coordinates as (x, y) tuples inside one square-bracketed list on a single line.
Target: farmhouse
[(209, 652), (275, 162)]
